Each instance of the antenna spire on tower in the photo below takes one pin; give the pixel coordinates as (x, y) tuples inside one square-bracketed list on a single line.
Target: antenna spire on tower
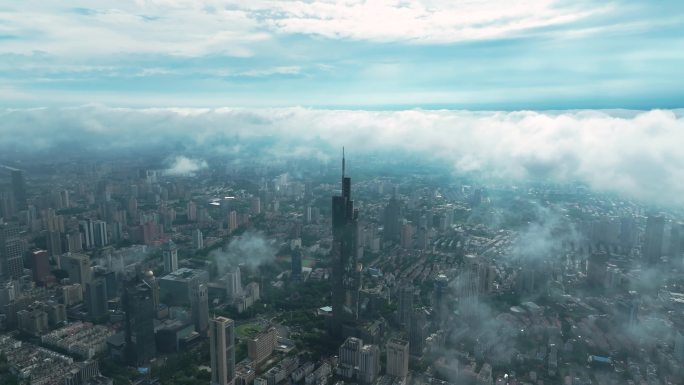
[(343, 165)]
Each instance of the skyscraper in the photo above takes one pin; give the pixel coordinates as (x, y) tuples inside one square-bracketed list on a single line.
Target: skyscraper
[(96, 297), (12, 248), (139, 323), (87, 233), (78, 268), (199, 304), (439, 298), (346, 274), (405, 304), (54, 243), (19, 189), (255, 204), (419, 330), (234, 283), (369, 364), (296, 264), (349, 355), (232, 221), (222, 350), (197, 239), (100, 233), (170, 257), (653, 239), (392, 214), (40, 264), (74, 242), (397, 358)]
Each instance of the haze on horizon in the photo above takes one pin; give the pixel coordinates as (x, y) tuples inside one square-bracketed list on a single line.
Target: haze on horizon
[(561, 91)]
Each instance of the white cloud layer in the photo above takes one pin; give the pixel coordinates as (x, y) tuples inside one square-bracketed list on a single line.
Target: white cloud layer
[(182, 165), (227, 27), (637, 153)]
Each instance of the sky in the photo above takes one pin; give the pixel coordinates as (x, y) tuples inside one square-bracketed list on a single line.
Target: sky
[(353, 54)]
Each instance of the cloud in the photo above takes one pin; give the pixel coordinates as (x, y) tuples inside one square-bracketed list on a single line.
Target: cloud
[(417, 21), (250, 249), (636, 153), (182, 165), (128, 26), (544, 236), (230, 27), (471, 54)]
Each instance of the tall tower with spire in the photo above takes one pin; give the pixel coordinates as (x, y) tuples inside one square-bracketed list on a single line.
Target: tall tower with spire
[(346, 275)]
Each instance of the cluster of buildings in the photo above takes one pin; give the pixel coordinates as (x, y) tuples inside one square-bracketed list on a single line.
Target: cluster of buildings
[(40, 366), (429, 282)]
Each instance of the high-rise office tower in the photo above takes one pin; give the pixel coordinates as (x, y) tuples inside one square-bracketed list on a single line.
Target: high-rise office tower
[(74, 242), (407, 231), (222, 350), (420, 329), (346, 274), (369, 364), (397, 358), (139, 323), (391, 217), (296, 264), (40, 264), (422, 239), (308, 215), (628, 231), (96, 297), (197, 239), (405, 304), (234, 283), (191, 211), (653, 240), (439, 298), (100, 233), (78, 268), (232, 221), (170, 257), (87, 233), (12, 248), (6, 204), (19, 189), (255, 206), (54, 243), (132, 210), (349, 356), (64, 198), (199, 303)]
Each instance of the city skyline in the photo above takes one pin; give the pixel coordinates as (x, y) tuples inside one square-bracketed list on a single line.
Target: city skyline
[(177, 204)]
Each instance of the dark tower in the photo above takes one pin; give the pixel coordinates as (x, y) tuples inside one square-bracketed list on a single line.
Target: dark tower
[(96, 297), (19, 189), (391, 220), (652, 248), (296, 265), (346, 275), (138, 304), (199, 304)]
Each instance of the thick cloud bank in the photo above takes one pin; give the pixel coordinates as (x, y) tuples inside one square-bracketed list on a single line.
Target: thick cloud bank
[(183, 165), (637, 153)]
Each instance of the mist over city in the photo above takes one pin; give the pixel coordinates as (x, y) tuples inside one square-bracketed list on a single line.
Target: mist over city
[(328, 192)]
